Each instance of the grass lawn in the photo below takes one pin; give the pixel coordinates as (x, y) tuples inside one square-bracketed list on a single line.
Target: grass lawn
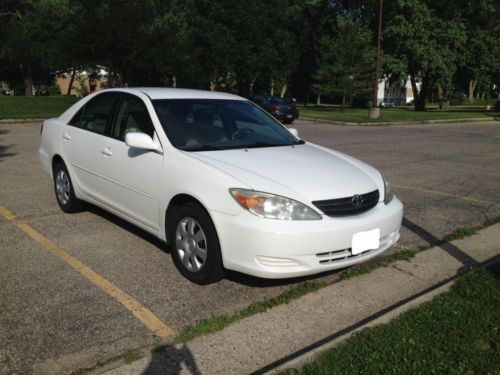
[(25, 107), (393, 114), (456, 333)]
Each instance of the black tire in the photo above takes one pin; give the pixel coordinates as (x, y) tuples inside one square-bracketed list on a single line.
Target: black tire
[(212, 269), (69, 203)]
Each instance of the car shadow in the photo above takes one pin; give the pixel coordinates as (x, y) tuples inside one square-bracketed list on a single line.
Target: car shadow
[(233, 276), (146, 236), (257, 282)]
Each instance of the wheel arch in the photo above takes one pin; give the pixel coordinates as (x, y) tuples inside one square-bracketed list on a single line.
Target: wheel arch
[(56, 159), (175, 203)]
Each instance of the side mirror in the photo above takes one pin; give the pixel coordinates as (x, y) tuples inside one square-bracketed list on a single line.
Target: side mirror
[(142, 141), (294, 131)]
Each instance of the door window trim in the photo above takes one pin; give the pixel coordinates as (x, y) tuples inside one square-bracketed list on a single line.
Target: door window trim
[(115, 117), (81, 111)]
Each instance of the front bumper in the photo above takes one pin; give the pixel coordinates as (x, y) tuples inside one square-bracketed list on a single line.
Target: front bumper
[(279, 249)]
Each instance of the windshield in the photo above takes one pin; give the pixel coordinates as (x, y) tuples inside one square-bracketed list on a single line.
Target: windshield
[(214, 124)]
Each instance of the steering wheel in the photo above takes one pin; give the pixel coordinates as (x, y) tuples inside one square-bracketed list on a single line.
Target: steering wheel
[(242, 133)]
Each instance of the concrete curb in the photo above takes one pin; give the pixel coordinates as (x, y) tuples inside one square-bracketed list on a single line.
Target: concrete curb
[(21, 120), (288, 335), (444, 121), (478, 119)]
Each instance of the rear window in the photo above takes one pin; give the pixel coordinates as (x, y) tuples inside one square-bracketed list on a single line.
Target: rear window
[(276, 101)]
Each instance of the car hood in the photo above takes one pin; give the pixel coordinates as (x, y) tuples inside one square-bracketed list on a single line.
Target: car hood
[(304, 172)]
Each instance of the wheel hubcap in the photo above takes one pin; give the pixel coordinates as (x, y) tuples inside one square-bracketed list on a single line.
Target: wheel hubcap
[(63, 187), (191, 244)]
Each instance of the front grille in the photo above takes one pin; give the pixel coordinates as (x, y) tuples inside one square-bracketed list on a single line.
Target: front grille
[(347, 206)]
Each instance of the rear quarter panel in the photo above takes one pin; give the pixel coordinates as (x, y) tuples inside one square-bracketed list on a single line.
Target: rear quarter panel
[(50, 144)]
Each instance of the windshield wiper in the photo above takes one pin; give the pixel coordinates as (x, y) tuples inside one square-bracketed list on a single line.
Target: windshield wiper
[(202, 148), (264, 144)]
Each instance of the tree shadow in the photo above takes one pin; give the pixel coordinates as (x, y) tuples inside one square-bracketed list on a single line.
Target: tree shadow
[(451, 249), (170, 360)]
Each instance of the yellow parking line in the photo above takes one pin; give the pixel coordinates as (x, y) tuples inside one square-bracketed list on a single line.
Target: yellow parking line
[(450, 195), (147, 318)]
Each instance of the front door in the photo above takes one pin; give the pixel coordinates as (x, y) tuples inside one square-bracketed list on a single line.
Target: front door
[(131, 178)]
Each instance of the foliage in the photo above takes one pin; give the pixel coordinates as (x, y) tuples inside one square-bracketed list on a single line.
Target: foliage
[(462, 326), (459, 233), (47, 90), (482, 52), (405, 114), (40, 107), (305, 46), (346, 61), (425, 40)]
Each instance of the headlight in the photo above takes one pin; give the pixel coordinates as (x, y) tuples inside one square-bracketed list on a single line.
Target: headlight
[(388, 191), (272, 206)]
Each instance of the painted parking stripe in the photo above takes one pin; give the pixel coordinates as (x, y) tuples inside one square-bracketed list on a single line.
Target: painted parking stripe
[(146, 317), (449, 195)]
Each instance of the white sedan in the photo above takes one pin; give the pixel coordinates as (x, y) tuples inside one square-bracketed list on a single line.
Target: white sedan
[(221, 181)]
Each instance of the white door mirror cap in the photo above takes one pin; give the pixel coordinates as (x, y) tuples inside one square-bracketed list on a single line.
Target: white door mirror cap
[(142, 141), (294, 131)]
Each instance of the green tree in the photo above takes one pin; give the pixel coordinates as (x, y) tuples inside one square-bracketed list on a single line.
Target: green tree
[(425, 40), (231, 45), (30, 36), (309, 21), (481, 55), (345, 61)]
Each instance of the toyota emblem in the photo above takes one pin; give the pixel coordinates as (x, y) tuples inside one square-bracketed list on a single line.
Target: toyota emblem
[(357, 200)]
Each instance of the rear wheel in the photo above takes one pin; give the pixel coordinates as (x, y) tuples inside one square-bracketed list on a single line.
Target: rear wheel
[(63, 187), (195, 245)]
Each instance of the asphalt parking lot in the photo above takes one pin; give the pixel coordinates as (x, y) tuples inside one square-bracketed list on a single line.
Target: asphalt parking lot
[(52, 319)]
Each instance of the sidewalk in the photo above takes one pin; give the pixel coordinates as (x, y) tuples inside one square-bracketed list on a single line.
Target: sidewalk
[(288, 334)]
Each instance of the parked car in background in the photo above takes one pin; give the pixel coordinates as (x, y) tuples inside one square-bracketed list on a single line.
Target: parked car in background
[(387, 105), (223, 183), (283, 109)]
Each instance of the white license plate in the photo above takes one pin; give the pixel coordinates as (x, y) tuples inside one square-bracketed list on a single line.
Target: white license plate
[(288, 116), (363, 241)]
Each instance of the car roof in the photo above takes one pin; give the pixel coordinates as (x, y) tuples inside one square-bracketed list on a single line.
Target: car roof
[(175, 93)]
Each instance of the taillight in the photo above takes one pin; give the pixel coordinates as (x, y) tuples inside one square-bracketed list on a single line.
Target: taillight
[(41, 128), (276, 108)]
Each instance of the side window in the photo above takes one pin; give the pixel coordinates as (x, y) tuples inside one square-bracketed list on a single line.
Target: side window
[(75, 121), (132, 116), (98, 113)]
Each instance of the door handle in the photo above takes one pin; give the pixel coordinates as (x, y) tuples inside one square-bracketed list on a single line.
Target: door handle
[(66, 136), (107, 151)]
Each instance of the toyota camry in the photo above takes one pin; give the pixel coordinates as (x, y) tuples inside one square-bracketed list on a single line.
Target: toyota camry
[(221, 181)]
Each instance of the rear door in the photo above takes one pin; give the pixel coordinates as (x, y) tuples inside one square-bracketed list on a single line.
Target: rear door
[(82, 142), (131, 178)]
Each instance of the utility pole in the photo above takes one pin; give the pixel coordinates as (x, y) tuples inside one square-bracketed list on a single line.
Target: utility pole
[(375, 110)]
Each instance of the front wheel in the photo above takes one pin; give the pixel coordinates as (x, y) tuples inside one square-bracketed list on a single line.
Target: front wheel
[(63, 187), (195, 245)]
